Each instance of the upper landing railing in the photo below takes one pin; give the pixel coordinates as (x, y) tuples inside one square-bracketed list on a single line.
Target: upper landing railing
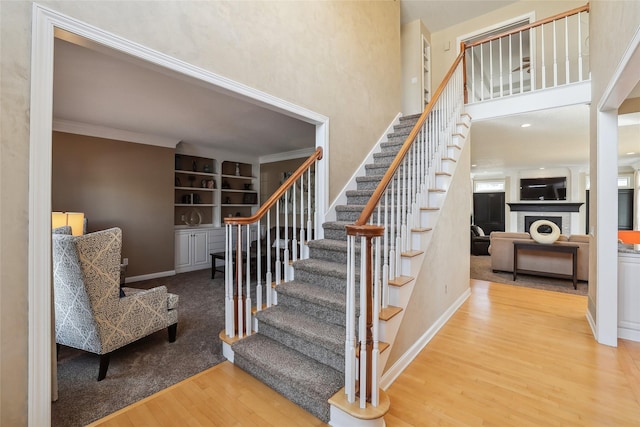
[(546, 54)]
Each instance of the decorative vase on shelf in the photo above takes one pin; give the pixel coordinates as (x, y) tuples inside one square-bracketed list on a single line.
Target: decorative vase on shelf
[(237, 169), (194, 166)]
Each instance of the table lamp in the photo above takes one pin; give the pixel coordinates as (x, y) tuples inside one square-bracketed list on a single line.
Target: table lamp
[(73, 219)]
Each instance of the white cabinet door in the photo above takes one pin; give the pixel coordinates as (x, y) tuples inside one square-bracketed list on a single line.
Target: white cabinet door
[(182, 250), (200, 249), (192, 250)]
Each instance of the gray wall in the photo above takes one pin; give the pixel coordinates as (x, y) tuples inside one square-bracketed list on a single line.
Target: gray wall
[(119, 184)]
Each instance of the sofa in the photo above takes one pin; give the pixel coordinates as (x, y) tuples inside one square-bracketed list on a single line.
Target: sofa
[(501, 251), (479, 241)]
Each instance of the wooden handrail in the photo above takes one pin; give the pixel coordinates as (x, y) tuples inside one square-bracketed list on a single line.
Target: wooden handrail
[(386, 179), (317, 155), (539, 23)]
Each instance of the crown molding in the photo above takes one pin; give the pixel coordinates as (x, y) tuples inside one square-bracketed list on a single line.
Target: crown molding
[(78, 128)]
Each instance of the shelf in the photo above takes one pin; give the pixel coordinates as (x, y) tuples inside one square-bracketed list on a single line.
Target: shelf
[(195, 189), (230, 190), (224, 205), (188, 172), (238, 176), (204, 205)]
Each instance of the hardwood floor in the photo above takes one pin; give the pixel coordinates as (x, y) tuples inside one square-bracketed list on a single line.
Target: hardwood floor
[(510, 356)]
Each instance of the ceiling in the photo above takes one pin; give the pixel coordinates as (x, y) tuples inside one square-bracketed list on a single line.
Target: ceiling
[(438, 15), (97, 86)]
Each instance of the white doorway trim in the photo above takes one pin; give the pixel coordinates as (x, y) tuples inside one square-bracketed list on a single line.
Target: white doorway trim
[(623, 80), (45, 22)]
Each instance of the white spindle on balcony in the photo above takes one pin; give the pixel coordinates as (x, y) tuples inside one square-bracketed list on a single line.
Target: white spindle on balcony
[(557, 58)]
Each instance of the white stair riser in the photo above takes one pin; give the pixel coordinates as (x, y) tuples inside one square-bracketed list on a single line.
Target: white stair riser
[(436, 198), (443, 181), (448, 166)]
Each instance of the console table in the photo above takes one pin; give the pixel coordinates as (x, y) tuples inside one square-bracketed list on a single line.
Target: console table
[(539, 247)]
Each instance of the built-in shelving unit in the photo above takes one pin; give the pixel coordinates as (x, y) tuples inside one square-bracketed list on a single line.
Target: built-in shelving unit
[(207, 190), (238, 192), (195, 190)]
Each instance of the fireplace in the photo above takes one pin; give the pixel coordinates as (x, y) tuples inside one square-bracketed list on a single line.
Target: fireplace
[(561, 213), (530, 219)]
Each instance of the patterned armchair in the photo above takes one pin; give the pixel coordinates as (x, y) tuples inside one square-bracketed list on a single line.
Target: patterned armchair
[(90, 312)]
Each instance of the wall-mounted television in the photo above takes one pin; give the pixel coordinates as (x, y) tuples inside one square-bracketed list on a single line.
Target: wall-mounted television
[(543, 188)]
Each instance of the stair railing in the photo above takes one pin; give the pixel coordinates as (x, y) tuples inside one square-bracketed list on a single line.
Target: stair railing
[(293, 203), (384, 230), (547, 53)]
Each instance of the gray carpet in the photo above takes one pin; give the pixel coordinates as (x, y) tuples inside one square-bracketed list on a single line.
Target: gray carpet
[(481, 270), (149, 365)]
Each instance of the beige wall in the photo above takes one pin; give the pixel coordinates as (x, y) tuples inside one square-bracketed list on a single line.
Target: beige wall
[(412, 34), (271, 179), (437, 288), (119, 184), (444, 48), (340, 59), (613, 24)]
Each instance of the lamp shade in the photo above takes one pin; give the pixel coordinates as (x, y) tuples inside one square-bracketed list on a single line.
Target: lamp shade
[(73, 219)]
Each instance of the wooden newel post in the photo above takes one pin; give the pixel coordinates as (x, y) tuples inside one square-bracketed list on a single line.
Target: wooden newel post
[(366, 256)]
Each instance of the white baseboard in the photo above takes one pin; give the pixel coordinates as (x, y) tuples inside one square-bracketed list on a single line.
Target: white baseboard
[(629, 334), (149, 276), (394, 372), (592, 324)]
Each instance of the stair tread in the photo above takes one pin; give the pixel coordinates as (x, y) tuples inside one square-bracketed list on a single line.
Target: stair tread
[(307, 327), (326, 268), (302, 379), (389, 312), (313, 294)]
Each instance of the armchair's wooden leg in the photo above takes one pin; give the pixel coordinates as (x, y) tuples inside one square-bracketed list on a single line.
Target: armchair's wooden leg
[(104, 365), (173, 329)]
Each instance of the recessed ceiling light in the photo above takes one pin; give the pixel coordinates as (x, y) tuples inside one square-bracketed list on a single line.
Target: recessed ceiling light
[(541, 169), (473, 166), (525, 125), (630, 153)]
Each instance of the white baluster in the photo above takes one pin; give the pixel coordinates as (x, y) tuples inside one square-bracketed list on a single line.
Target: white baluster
[(240, 316), (555, 56), (375, 395), (566, 50), (247, 309), (278, 260), (228, 283), (350, 343), (385, 268), (269, 277), (510, 66), (285, 261), (259, 289), (579, 47), (294, 237), (500, 63)]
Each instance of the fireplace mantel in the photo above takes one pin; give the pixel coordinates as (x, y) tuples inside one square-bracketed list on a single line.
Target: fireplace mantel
[(545, 207)]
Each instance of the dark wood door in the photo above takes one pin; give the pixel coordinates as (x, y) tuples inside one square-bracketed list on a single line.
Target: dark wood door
[(488, 211), (625, 209)]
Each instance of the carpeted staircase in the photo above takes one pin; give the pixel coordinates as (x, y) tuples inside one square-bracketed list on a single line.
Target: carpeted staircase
[(299, 347)]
